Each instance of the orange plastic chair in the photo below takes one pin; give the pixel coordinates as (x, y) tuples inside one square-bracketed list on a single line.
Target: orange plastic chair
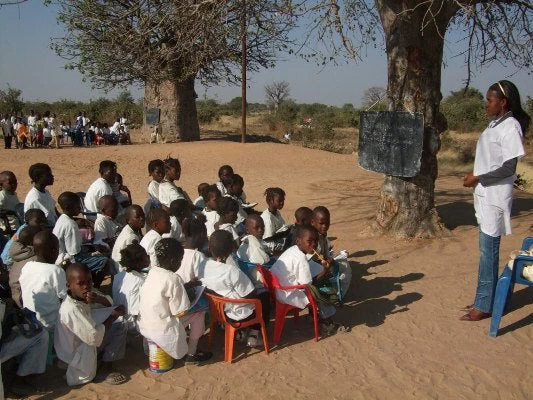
[(216, 307), (271, 282)]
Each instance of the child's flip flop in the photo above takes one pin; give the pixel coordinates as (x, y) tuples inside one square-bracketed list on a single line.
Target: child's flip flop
[(114, 378)]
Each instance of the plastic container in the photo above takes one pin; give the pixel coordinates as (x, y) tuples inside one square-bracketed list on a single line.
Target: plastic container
[(158, 361)]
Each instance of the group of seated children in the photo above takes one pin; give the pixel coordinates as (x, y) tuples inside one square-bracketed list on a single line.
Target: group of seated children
[(57, 260)]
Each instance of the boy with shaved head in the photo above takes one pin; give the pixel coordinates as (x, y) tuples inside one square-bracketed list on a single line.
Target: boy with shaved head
[(131, 232)]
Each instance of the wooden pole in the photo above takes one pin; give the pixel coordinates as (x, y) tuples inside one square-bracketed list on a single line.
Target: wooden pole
[(243, 72)]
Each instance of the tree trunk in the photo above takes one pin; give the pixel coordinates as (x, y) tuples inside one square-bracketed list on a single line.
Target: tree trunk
[(177, 104), (414, 58)]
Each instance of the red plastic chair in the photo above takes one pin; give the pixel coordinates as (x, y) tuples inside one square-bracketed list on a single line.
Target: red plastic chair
[(216, 306), (271, 282)]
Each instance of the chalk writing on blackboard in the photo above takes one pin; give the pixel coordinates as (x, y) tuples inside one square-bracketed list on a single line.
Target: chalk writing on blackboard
[(152, 116), (391, 142)]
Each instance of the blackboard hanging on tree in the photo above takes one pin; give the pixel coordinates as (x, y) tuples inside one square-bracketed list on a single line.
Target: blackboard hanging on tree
[(391, 142)]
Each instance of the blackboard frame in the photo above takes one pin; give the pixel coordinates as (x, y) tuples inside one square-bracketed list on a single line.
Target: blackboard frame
[(391, 142)]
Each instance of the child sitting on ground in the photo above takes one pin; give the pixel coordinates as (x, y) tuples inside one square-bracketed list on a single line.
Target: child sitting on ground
[(79, 338), (293, 268), (156, 169), (179, 210), (21, 252), (159, 221), (211, 197), (321, 221), (101, 187), (70, 242), (227, 209), (42, 283), (9, 200), (127, 283), (164, 306), (234, 190), (224, 175), (122, 194), (229, 281), (251, 249), (32, 217), (130, 233), (38, 197), (168, 191), (105, 227), (276, 230), (199, 203)]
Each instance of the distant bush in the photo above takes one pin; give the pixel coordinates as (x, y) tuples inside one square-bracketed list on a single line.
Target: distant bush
[(208, 111), (465, 110)]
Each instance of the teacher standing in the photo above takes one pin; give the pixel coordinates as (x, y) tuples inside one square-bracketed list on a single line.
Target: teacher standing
[(497, 152)]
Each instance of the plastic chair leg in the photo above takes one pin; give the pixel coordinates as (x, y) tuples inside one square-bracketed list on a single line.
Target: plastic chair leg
[(265, 339), (500, 298), (228, 348), (281, 311)]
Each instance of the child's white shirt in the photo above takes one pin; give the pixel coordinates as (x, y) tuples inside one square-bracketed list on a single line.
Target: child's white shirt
[(228, 281), (104, 228), (43, 201), (163, 300), (148, 242), (251, 250), (292, 268), (125, 238), (241, 214), (273, 223), (231, 229), (168, 192), (69, 236), (153, 189), (43, 286), (9, 201), (199, 202), (97, 190), (175, 230), (127, 292), (76, 339), (191, 264), (211, 218)]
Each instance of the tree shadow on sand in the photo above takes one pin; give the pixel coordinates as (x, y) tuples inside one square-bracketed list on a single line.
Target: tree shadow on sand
[(236, 137)]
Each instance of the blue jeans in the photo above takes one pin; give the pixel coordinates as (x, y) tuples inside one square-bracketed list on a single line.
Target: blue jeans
[(489, 255)]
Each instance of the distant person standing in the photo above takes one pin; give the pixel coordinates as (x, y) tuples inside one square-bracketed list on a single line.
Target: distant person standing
[(8, 131), (32, 124), (497, 152)]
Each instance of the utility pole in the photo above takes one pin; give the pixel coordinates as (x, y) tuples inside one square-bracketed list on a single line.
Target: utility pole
[(243, 72)]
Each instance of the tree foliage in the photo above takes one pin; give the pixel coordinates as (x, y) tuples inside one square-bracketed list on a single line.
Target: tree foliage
[(276, 93), (11, 101), (465, 110), (116, 43)]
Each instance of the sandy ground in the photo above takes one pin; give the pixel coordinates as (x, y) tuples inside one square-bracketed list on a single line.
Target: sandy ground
[(403, 306)]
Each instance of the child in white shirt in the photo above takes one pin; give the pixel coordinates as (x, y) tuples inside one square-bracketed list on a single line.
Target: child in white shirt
[(164, 306), (276, 230), (195, 239), (9, 200), (159, 221), (168, 191), (227, 209), (127, 283), (38, 197), (42, 283), (131, 232), (251, 249), (105, 227), (234, 190), (199, 203), (70, 241), (211, 197), (179, 210), (88, 326), (229, 281), (101, 186), (156, 169)]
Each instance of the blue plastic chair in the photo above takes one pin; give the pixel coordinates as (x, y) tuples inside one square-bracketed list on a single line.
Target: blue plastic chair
[(246, 266), (505, 286)]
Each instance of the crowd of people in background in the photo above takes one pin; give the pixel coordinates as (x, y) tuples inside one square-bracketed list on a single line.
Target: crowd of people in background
[(46, 131)]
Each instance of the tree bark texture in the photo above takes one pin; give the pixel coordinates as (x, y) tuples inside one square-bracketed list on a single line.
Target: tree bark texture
[(414, 57), (177, 102)]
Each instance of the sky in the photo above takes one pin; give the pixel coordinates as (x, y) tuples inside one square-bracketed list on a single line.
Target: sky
[(28, 63)]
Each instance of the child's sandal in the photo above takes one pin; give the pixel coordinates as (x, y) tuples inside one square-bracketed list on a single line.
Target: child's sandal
[(114, 378)]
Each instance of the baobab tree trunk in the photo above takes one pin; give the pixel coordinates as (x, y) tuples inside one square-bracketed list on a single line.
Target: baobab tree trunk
[(414, 57), (177, 104)]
